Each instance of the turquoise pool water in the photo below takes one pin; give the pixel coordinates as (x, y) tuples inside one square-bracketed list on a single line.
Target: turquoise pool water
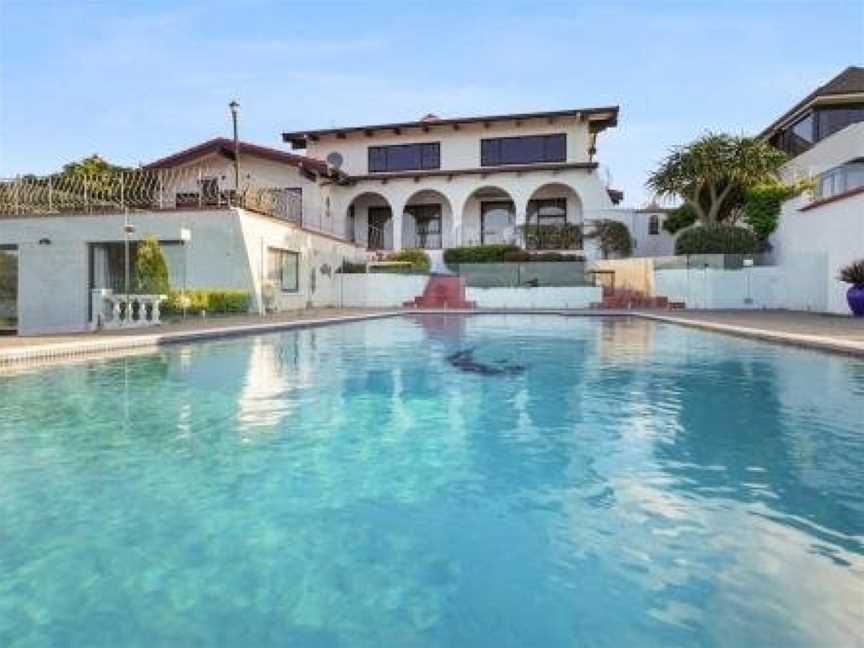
[(560, 482)]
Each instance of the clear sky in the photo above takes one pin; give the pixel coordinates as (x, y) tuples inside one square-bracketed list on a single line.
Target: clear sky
[(135, 81)]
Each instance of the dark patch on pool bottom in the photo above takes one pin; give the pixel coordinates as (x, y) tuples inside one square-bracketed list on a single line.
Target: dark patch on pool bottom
[(464, 360)]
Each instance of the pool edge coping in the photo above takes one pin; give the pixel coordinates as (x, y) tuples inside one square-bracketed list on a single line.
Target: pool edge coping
[(801, 340), (117, 346), (113, 347)]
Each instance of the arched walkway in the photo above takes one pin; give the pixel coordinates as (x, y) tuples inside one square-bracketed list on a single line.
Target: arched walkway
[(428, 221), (369, 221), (488, 216), (553, 218)]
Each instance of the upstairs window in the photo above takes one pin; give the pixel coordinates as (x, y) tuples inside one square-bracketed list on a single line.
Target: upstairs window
[(404, 157), (530, 149), (835, 118), (841, 180), (654, 225)]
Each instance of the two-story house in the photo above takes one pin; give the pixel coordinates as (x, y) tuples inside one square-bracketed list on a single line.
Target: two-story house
[(529, 179), (823, 134)]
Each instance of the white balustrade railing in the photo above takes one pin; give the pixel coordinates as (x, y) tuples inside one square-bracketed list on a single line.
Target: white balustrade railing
[(113, 311)]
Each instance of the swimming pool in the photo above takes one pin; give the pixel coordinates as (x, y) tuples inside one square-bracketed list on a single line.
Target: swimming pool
[(437, 481)]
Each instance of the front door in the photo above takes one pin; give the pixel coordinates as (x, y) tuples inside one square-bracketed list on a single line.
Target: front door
[(378, 218)]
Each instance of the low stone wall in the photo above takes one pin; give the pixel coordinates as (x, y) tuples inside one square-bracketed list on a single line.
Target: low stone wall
[(540, 297)]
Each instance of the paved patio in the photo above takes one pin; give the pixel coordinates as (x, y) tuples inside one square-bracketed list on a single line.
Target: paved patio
[(827, 332)]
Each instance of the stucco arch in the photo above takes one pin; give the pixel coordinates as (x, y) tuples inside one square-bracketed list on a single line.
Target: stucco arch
[(472, 209), (552, 210), (378, 236), (425, 200)]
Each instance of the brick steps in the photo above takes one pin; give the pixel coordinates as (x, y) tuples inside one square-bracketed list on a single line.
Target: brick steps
[(624, 298), (442, 291)]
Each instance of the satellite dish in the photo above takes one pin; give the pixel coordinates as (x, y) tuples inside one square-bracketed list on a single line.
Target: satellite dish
[(334, 159)]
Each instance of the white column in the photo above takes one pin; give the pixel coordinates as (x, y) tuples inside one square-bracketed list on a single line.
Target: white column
[(397, 219)]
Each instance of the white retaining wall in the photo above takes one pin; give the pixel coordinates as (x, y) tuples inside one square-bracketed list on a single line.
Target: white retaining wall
[(797, 285), (540, 297), (380, 290)]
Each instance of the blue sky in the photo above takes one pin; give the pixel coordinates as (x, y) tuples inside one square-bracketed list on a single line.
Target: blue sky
[(135, 81)]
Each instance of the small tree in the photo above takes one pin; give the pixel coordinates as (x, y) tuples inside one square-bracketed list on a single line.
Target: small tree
[(150, 268), (612, 237), (712, 173)]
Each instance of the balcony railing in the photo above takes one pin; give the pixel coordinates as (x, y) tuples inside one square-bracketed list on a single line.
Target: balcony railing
[(142, 189)]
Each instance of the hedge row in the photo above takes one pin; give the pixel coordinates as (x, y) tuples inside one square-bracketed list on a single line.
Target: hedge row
[(717, 239), (501, 253), (212, 300)]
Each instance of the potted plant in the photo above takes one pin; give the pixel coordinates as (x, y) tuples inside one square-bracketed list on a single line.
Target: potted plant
[(854, 274)]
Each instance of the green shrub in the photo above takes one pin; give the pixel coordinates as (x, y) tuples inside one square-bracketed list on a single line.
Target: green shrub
[(763, 202), (565, 236), (418, 259), (349, 267), (679, 218), (717, 239), (492, 253), (211, 300), (613, 237), (502, 253), (150, 268), (853, 273)]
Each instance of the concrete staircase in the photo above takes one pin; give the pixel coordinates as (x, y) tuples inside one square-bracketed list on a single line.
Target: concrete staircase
[(442, 291), (625, 298)]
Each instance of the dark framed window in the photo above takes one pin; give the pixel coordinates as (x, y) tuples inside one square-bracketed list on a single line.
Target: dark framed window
[(839, 180), (653, 225), (283, 269), (404, 157), (549, 211), (497, 219), (834, 118), (427, 226), (523, 150)]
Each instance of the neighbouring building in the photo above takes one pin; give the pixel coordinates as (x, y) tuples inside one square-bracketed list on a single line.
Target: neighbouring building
[(646, 227), (821, 231), (529, 179)]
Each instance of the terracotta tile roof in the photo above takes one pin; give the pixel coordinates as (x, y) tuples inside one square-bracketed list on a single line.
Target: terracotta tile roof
[(849, 81), (225, 146)]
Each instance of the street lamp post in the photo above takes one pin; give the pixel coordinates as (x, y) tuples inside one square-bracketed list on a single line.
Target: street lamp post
[(128, 228), (234, 106)]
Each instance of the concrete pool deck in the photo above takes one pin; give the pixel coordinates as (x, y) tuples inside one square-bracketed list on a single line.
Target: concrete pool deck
[(825, 332)]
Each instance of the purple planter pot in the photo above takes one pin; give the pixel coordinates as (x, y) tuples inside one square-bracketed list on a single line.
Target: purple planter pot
[(855, 297)]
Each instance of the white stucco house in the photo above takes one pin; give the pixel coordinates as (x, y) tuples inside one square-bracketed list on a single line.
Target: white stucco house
[(823, 135), (437, 183), (279, 224), (69, 241)]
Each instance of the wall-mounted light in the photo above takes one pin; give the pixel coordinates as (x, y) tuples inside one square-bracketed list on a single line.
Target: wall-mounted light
[(44, 241)]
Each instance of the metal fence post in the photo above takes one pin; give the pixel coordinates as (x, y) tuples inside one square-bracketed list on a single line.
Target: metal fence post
[(50, 193), (159, 176), (122, 193), (16, 190), (86, 195)]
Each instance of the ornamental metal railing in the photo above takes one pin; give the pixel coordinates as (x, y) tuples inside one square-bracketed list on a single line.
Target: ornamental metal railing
[(198, 187)]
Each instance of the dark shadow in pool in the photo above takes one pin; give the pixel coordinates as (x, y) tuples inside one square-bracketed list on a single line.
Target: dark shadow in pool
[(465, 361)]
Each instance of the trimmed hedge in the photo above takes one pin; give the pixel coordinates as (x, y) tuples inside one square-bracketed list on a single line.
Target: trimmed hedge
[(501, 253), (717, 239), (212, 300), (418, 259)]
